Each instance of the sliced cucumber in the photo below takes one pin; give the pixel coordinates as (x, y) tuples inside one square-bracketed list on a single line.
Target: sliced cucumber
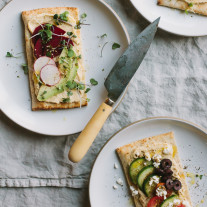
[(143, 174), (136, 166), (147, 188), (166, 202)]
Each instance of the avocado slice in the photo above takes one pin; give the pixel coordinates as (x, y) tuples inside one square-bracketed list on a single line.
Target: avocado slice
[(68, 66)]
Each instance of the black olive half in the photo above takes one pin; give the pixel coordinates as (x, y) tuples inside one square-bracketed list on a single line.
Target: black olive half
[(177, 185), (165, 163)]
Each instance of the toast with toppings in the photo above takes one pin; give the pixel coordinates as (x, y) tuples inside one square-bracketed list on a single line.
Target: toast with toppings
[(54, 56), (194, 6), (154, 172)]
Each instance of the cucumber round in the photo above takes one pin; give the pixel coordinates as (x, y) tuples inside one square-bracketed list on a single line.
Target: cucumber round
[(147, 188), (136, 166), (166, 202), (143, 174)]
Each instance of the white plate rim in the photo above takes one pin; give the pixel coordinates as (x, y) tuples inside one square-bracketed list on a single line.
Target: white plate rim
[(137, 122), (164, 29), (118, 101)]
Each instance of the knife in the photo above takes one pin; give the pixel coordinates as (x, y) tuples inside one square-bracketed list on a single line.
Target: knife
[(115, 84)]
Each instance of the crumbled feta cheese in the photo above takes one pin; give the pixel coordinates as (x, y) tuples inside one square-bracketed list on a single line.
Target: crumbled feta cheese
[(168, 150), (134, 191), (154, 179), (186, 203), (147, 156), (116, 166), (156, 164), (136, 154), (176, 202), (115, 187), (161, 192), (120, 182), (157, 158)]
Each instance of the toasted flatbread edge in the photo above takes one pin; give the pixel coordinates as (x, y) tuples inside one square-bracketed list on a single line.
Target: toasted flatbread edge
[(200, 8), (162, 138), (37, 105)]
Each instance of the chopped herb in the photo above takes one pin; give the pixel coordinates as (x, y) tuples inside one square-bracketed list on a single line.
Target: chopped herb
[(88, 99), (81, 21), (65, 100), (103, 48), (93, 82), (71, 53), (200, 176), (87, 90), (48, 54), (186, 11), (61, 18), (80, 86), (104, 35), (115, 46), (190, 4), (25, 68), (8, 54), (70, 93), (71, 85), (83, 16)]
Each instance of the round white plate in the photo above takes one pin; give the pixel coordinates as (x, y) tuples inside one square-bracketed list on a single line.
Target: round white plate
[(172, 20), (14, 89), (192, 147)]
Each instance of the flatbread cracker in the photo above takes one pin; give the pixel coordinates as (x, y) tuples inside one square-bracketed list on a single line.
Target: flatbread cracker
[(153, 145), (28, 16), (182, 5)]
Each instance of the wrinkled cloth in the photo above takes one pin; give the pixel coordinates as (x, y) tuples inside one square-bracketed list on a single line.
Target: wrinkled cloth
[(171, 81)]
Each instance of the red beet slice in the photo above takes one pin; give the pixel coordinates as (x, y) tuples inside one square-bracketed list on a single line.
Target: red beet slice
[(54, 47), (38, 49), (55, 30)]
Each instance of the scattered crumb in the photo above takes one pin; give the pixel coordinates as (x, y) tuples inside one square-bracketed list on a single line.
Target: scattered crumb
[(120, 182), (116, 166), (115, 187)]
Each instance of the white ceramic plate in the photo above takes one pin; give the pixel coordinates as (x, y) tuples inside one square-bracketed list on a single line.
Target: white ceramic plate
[(15, 96), (192, 146), (172, 20)]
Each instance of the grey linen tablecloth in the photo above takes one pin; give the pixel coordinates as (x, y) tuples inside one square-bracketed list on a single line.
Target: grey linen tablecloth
[(172, 81)]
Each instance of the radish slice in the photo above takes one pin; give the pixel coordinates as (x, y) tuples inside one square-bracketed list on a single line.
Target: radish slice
[(41, 62), (50, 75)]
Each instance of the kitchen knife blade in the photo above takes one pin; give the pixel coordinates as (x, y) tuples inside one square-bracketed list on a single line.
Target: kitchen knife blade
[(116, 82), (129, 62)]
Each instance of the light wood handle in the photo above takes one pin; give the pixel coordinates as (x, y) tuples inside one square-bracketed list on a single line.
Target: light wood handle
[(89, 133)]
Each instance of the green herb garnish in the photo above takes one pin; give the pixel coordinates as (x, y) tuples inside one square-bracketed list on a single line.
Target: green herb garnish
[(115, 46), (186, 11), (93, 82), (48, 54), (80, 86), (70, 93), (8, 54), (104, 35), (81, 21), (25, 68), (61, 18), (71, 85), (71, 53), (87, 90), (190, 4), (65, 100)]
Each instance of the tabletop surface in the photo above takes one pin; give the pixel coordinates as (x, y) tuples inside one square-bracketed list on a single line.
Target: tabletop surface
[(172, 81)]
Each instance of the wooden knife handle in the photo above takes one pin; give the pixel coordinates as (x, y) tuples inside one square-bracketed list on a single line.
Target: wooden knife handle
[(89, 133)]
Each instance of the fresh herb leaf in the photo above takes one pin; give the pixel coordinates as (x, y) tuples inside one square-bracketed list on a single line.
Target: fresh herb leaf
[(186, 11), (46, 35), (87, 90), (70, 93), (71, 85), (79, 57), (80, 86), (61, 18), (190, 4), (93, 82), (25, 68), (65, 100), (64, 16), (69, 33), (83, 16), (8, 54), (104, 35), (115, 46), (103, 48), (48, 54), (71, 53)]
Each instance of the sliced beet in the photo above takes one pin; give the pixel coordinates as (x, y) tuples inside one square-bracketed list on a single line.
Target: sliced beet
[(54, 47), (38, 49), (55, 30)]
